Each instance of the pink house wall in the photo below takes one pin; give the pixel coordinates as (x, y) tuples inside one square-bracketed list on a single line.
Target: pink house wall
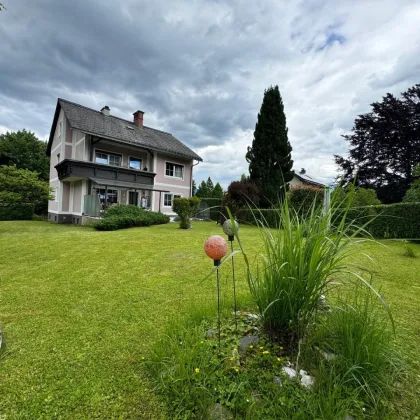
[(160, 171), (77, 196), (171, 184)]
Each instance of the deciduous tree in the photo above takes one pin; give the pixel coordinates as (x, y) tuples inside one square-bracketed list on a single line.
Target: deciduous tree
[(24, 150), (384, 146)]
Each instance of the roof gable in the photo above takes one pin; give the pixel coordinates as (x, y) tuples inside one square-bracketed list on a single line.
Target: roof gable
[(110, 127)]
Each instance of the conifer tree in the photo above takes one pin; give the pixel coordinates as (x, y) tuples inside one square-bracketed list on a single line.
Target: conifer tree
[(269, 157)]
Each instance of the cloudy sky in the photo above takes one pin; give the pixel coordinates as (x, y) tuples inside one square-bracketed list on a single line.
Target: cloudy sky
[(199, 68)]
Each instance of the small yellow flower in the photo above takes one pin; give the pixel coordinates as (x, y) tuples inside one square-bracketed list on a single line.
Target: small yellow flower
[(196, 370), (266, 352), (201, 342), (251, 346), (278, 359), (261, 347), (236, 370), (142, 357)]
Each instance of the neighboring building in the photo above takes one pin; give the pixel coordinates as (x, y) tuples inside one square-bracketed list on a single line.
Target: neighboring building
[(302, 179), (98, 159)]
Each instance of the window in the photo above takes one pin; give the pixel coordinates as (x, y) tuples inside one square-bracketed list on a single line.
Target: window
[(168, 199), (134, 163), (58, 157), (174, 170), (60, 128), (107, 159), (111, 198)]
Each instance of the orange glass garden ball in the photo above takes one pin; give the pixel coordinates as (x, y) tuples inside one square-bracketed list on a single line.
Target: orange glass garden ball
[(216, 247)]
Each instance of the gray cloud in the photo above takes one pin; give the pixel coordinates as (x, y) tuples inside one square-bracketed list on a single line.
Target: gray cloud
[(199, 68)]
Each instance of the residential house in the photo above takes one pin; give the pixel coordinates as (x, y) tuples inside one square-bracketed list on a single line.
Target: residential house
[(98, 159), (303, 179)]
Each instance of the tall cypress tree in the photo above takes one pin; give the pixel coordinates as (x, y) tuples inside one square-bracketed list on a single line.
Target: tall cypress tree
[(269, 157)]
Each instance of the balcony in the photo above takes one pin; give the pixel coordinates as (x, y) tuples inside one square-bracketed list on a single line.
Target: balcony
[(76, 170)]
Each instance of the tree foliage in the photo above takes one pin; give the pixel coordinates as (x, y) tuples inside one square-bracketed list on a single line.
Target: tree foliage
[(185, 208), (269, 157), (384, 146), (241, 194), (202, 190), (413, 193), (207, 189), (218, 191), (361, 197), (22, 186), (24, 150)]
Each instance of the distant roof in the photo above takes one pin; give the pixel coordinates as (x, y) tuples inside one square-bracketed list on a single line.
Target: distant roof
[(308, 179), (94, 122)]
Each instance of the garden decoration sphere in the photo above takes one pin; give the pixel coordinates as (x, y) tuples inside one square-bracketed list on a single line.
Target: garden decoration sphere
[(229, 229), (216, 248)]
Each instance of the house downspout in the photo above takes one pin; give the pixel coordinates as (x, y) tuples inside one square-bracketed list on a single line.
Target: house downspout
[(191, 175)]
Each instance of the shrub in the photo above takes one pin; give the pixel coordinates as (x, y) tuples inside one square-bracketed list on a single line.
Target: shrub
[(147, 218), (185, 208), (240, 195), (123, 210), (409, 250), (301, 199), (16, 211), (22, 186)]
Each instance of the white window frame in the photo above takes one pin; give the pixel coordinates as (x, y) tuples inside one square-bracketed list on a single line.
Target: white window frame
[(60, 128), (135, 158), (108, 154), (172, 194), (173, 176)]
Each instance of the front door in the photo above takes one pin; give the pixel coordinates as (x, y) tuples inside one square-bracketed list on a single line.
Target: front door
[(133, 198)]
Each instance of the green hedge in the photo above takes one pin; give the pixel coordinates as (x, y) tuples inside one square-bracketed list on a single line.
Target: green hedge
[(400, 220), (16, 211), (302, 198), (147, 218), (268, 217)]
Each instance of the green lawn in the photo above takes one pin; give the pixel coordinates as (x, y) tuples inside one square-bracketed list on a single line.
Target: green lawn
[(80, 308)]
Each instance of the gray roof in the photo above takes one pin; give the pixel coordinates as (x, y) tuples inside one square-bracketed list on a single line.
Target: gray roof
[(309, 179), (94, 122)]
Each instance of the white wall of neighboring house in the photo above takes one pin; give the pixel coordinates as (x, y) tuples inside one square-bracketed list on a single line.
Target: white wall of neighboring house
[(295, 182)]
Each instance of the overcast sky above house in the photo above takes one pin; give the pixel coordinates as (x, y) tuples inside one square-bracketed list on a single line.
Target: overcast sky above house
[(199, 68)]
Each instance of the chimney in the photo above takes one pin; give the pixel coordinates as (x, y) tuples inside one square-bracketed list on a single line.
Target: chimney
[(138, 118), (105, 110)]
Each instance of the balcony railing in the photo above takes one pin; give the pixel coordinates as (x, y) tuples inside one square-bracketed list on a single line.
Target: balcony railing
[(71, 170)]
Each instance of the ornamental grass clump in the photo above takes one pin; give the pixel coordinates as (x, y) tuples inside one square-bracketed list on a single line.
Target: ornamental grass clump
[(355, 339), (300, 262)]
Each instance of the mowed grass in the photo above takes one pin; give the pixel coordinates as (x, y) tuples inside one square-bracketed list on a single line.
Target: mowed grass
[(80, 309)]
